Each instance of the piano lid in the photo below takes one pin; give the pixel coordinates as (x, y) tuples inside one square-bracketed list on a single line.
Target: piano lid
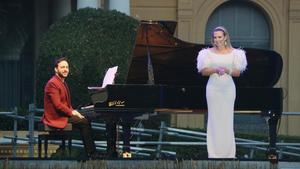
[(174, 61)]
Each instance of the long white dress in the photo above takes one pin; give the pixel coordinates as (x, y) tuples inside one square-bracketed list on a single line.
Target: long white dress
[(220, 96)]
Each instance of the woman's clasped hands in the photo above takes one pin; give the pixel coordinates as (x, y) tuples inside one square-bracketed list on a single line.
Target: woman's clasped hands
[(221, 70)]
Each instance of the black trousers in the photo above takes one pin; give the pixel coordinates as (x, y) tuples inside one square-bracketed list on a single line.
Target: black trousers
[(85, 128)]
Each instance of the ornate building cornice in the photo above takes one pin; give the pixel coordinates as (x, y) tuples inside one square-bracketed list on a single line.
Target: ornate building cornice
[(294, 15)]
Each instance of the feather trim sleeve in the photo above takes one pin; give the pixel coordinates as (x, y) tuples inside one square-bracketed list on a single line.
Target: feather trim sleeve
[(240, 60), (203, 60)]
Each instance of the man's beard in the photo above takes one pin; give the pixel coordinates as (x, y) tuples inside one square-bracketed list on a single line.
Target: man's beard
[(61, 75)]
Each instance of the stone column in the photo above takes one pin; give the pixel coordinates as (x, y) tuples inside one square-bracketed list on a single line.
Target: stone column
[(120, 5), (60, 8), (88, 3)]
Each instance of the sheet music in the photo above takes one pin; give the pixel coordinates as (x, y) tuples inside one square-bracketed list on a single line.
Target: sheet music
[(109, 77)]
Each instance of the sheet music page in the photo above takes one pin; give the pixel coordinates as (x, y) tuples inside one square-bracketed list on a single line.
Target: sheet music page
[(108, 78)]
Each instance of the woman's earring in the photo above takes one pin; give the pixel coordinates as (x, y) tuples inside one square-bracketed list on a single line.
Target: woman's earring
[(225, 43)]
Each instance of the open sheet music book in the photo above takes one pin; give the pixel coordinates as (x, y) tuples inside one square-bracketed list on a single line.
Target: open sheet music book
[(109, 78)]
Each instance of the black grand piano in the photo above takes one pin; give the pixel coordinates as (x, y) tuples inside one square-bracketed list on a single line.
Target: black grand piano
[(163, 77)]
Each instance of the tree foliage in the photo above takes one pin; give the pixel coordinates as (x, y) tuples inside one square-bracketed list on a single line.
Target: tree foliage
[(93, 40)]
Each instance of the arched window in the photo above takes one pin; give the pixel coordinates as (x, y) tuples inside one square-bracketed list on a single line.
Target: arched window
[(247, 24)]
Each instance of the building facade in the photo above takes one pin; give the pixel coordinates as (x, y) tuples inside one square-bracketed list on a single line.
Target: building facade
[(268, 24), (283, 24)]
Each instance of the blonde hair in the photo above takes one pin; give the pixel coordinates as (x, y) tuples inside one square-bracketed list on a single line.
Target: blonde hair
[(226, 34)]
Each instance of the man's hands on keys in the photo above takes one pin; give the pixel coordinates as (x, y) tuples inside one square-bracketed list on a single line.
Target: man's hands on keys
[(76, 113)]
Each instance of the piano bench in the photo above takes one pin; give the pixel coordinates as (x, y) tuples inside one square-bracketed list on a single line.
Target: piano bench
[(52, 133)]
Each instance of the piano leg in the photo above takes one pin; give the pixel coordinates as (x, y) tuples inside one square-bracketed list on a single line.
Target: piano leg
[(126, 123), (272, 151), (111, 137), (126, 136)]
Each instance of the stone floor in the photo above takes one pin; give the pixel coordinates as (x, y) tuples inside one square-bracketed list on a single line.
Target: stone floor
[(145, 164)]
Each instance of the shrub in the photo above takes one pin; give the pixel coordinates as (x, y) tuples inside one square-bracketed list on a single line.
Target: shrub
[(93, 40)]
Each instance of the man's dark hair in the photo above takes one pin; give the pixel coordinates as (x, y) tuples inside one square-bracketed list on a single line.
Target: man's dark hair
[(58, 60)]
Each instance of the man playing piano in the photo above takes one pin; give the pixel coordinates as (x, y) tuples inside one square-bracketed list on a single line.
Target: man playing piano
[(221, 63), (58, 108)]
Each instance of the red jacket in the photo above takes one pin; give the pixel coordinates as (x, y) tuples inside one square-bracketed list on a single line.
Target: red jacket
[(57, 103)]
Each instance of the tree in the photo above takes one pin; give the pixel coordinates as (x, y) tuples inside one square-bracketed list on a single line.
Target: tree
[(93, 40)]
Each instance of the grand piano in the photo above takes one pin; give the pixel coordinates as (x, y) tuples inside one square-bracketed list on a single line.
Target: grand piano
[(163, 78)]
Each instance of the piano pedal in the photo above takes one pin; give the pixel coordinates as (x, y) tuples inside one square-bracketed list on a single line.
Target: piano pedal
[(126, 155)]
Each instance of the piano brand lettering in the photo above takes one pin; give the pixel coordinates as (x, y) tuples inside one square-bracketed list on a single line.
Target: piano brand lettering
[(116, 103)]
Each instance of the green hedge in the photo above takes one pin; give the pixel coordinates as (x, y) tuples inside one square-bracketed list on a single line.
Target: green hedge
[(93, 40)]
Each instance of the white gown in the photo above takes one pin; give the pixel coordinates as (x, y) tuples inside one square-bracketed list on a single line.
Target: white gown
[(220, 96)]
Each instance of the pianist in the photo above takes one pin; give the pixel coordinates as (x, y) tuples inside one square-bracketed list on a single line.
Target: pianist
[(220, 63), (58, 109)]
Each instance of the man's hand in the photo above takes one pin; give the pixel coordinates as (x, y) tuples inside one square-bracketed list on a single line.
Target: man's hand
[(76, 113)]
